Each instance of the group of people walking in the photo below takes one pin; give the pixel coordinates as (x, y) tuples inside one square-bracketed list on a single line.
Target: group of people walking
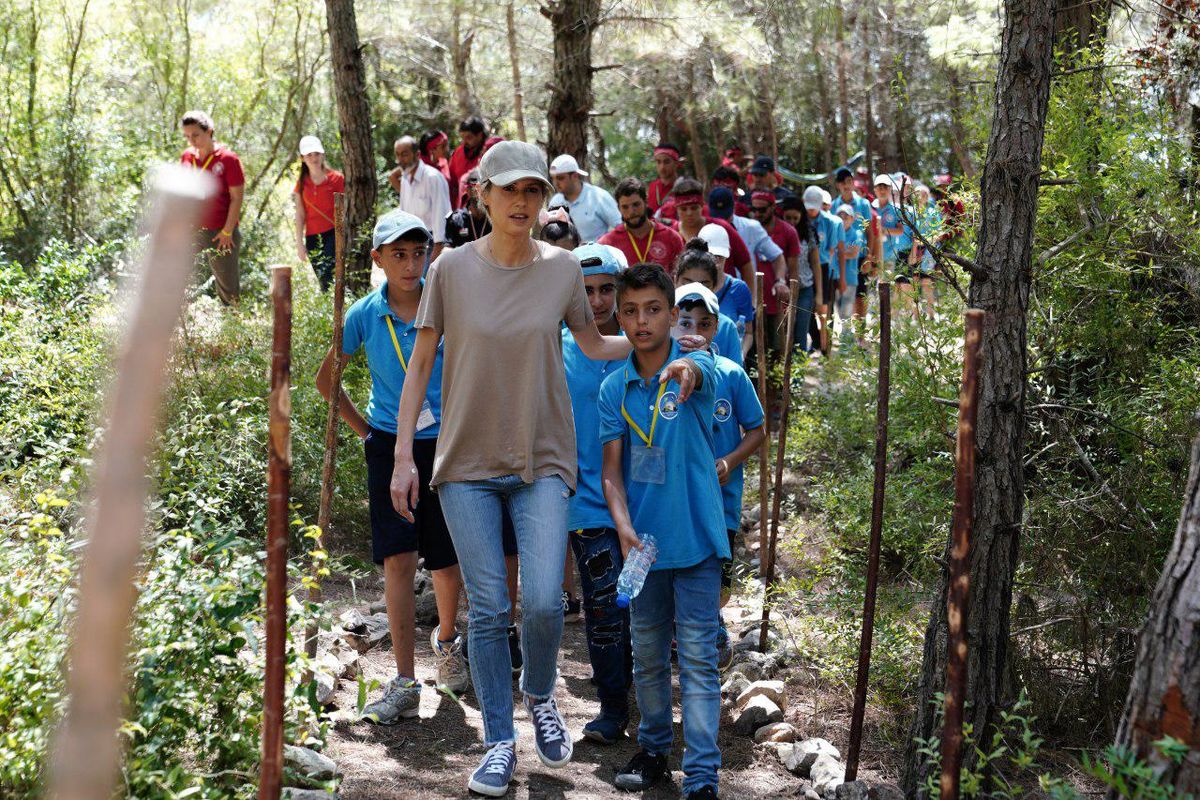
[(555, 368)]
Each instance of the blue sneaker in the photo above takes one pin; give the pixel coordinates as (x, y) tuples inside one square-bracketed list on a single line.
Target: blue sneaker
[(608, 728), (495, 772), (554, 746)]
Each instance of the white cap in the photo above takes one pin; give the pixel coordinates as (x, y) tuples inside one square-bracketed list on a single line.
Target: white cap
[(310, 144), (884, 179), (846, 208), (565, 165), (717, 239), (698, 291), (813, 198), (826, 198)]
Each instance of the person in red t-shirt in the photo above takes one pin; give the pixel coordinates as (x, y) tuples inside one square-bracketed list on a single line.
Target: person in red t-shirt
[(688, 202), (313, 196), (642, 239), (666, 162), (433, 147), (218, 239), (473, 132), (731, 180)]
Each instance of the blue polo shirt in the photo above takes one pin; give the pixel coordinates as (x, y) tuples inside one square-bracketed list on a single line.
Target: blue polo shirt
[(829, 233), (589, 509), (736, 299), (684, 514), (855, 237), (860, 204), (889, 217), (737, 409), (726, 342), (594, 212), (366, 327), (904, 241)]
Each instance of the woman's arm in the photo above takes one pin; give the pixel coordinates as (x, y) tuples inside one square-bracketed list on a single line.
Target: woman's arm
[(405, 486), (599, 347), (346, 408), (301, 250)]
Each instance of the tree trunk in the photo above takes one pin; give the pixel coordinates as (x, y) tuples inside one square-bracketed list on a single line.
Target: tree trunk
[(518, 96), (354, 123), (572, 22), (1079, 25), (843, 128), (958, 133), (1001, 288), (460, 59), (1164, 695)]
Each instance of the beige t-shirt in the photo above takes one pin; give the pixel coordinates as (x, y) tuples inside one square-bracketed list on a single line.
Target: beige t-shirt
[(505, 406)]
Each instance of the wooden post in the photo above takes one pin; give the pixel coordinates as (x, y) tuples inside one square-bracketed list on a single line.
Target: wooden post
[(882, 398), (331, 418), (786, 404), (960, 558), (764, 452), (279, 474), (86, 753)]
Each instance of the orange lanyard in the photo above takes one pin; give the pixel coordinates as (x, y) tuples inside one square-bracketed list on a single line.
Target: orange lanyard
[(641, 257)]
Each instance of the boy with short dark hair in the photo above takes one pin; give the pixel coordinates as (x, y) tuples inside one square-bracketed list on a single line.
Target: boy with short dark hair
[(656, 427)]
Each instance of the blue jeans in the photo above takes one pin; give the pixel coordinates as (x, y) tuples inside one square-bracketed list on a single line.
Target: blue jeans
[(598, 554), (804, 311), (539, 515), (684, 603)]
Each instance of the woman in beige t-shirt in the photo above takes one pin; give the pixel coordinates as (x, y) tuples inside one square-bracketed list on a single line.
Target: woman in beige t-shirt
[(507, 440)]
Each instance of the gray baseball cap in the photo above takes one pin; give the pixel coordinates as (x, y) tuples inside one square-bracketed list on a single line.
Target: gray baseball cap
[(508, 162)]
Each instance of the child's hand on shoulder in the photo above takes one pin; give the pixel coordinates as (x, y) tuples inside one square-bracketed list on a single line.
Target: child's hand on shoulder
[(690, 343)]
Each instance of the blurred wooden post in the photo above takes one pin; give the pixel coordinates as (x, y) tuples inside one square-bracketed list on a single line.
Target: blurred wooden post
[(764, 452), (279, 474), (882, 398), (86, 754), (328, 466), (785, 406), (960, 558)]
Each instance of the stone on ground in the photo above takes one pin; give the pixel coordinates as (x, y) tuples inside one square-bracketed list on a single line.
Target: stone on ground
[(425, 609), (326, 687), (310, 764), (759, 711), (772, 690), (775, 732), (367, 632), (853, 790), (799, 758), (826, 774), (735, 684)]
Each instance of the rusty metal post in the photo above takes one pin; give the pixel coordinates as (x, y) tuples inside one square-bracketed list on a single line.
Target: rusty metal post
[(331, 419), (958, 588), (764, 452), (786, 405), (279, 473), (882, 399)]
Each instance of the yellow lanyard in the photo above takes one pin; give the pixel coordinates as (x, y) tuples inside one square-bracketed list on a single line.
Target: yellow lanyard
[(649, 440), (396, 342), (641, 257), (211, 156)]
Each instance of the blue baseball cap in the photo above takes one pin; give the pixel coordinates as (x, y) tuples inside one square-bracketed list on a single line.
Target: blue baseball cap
[(600, 259), (394, 224), (720, 202)]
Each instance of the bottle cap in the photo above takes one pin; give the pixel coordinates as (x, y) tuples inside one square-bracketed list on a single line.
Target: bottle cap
[(622, 600)]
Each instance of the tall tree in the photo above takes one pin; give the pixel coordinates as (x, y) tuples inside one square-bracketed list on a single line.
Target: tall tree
[(1164, 695), (460, 62), (999, 286), (354, 122), (572, 22)]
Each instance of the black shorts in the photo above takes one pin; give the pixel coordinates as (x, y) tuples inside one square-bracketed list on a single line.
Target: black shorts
[(862, 278), (727, 565), (903, 268), (392, 534)]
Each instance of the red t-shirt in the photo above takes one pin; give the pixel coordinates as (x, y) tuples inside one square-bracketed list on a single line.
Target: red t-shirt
[(662, 246), (656, 194), (318, 201), (739, 254), (226, 167), (460, 164), (783, 233)]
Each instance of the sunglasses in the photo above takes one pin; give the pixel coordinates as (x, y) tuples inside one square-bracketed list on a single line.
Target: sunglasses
[(759, 209)]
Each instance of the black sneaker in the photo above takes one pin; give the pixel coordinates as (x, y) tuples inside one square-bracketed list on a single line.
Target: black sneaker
[(572, 610), (514, 649), (703, 793), (641, 771)]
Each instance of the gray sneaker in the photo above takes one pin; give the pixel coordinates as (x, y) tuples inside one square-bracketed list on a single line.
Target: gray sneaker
[(453, 675), (495, 772), (554, 746), (401, 700)]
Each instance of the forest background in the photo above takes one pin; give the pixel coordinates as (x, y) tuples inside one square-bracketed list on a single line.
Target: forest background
[(90, 96)]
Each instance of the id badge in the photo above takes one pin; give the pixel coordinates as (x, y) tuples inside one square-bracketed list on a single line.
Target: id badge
[(648, 465), (426, 418)]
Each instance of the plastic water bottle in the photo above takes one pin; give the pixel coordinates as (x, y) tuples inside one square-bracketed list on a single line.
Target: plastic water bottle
[(633, 575), (741, 325)]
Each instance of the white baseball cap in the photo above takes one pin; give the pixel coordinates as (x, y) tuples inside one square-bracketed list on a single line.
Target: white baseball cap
[(310, 144), (826, 197), (813, 198), (717, 239), (846, 209), (884, 179), (565, 165), (698, 291)]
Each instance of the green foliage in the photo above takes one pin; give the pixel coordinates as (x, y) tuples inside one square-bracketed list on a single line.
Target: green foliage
[(1125, 775)]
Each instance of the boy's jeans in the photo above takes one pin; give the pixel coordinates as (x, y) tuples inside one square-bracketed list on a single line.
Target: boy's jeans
[(539, 515), (598, 554), (684, 603)]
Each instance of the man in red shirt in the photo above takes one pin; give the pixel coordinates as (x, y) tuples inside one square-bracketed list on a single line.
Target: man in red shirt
[(688, 202), (666, 162), (218, 239), (641, 238), (473, 132)]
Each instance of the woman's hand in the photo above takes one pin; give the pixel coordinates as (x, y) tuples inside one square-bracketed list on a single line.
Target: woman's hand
[(302, 252), (406, 489)]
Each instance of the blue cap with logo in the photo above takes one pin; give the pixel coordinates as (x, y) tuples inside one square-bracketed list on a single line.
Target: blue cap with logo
[(600, 259), (394, 224), (720, 202)]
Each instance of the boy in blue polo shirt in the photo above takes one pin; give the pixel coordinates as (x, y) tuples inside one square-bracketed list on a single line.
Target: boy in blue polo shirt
[(737, 427), (381, 324), (656, 417), (592, 536)]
